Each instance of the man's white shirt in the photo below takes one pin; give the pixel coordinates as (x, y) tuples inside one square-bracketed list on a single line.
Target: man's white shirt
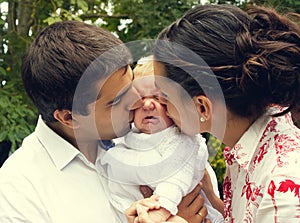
[(49, 180)]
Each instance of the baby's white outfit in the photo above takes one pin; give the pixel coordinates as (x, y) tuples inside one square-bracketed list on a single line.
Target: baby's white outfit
[(169, 162)]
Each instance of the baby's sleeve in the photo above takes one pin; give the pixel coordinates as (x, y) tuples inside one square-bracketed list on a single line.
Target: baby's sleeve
[(172, 190)]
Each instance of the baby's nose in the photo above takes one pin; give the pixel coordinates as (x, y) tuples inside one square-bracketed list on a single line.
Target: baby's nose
[(148, 104)]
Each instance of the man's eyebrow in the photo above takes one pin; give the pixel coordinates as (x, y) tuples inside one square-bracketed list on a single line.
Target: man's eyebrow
[(125, 70), (120, 95)]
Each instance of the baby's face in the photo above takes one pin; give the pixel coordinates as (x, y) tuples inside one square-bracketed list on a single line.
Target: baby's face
[(150, 116)]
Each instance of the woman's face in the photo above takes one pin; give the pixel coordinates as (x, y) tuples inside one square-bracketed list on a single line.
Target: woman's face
[(180, 106)]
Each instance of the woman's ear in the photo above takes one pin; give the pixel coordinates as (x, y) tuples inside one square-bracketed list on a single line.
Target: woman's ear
[(64, 117), (204, 107)]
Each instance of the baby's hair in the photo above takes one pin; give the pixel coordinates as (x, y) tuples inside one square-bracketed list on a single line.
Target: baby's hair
[(144, 67), (144, 60)]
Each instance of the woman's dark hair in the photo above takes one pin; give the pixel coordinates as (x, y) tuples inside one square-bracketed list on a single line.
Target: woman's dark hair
[(57, 59), (254, 55)]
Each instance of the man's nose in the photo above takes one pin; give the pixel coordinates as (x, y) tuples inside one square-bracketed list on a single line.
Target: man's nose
[(148, 104)]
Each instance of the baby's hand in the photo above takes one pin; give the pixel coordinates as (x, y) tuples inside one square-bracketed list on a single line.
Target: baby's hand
[(160, 215), (144, 205), (144, 217)]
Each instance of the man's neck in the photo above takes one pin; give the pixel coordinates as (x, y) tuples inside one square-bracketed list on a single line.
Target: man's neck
[(89, 150)]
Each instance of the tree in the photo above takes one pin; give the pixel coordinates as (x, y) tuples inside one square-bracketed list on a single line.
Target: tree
[(17, 114), (25, 18), (129, 19)]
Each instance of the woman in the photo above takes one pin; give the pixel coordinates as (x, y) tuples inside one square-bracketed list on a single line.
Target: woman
[(296, 115), (255, 58)]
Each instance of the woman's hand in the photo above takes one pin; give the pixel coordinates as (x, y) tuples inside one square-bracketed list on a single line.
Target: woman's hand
[(207, 187), (206, 184), (192, 208)]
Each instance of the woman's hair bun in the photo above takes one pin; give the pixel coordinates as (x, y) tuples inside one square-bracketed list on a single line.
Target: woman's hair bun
[(271, 53)]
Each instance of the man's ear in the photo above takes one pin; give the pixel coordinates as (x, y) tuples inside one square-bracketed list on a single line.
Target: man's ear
[(64, 117), (204, 107)]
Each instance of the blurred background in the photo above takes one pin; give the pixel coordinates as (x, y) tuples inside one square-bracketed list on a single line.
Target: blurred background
[(21, 20)]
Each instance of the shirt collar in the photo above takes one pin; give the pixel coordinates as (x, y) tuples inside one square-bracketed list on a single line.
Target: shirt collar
[(138, 140), (60, 151), (245, 148)]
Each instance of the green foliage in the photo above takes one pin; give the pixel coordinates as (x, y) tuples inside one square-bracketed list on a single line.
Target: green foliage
[(216, 158), (19, 115), (16, 115), (148, 17), (233, 2), (129, 19)]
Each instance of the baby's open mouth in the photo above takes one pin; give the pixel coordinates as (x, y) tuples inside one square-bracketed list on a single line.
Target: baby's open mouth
[(150, 119)]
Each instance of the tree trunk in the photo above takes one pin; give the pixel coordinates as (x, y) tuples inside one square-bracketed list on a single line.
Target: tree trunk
[(11, 16), (25, 17)]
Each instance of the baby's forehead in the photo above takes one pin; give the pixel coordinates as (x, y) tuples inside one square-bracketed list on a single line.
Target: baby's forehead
[(145, 85), (142, 70), (144, 80)]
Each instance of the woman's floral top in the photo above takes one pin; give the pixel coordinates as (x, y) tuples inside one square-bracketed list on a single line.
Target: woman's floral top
[(262, 181)]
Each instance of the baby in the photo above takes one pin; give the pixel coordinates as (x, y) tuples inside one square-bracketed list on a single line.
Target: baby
[(155, 153)]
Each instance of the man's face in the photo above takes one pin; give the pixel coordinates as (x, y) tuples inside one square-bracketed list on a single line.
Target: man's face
[(110, 114), (113, 114)]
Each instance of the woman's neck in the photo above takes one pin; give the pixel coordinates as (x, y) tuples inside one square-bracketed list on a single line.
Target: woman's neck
[(235, 128)]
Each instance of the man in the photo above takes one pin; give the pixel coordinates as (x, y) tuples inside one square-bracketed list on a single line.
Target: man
[(78, 77)]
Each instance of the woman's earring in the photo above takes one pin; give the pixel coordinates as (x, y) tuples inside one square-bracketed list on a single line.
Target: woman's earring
[(202, 119)]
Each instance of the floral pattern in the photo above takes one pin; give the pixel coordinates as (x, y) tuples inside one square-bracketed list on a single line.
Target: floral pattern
[(228, 155), (263, 172), (227, 200), (284, 146)]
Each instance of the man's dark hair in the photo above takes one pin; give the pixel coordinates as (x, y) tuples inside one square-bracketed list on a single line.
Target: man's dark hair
[(58, 57)]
